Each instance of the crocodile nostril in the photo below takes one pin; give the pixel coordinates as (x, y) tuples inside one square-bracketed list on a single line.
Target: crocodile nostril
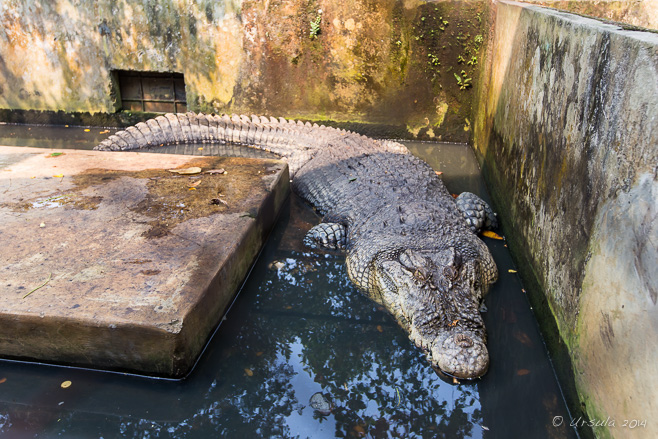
[(464, 340)]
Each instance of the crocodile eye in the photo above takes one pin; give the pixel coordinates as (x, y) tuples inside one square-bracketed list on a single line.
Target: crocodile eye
[(419, 276)]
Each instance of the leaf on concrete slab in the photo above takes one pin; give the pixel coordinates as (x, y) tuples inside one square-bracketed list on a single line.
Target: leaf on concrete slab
[(187, 171)]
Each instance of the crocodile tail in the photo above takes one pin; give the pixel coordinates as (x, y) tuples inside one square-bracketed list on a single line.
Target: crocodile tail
[(293, 140)]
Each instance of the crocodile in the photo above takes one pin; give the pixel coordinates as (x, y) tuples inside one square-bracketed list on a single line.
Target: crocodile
[(410, 245)]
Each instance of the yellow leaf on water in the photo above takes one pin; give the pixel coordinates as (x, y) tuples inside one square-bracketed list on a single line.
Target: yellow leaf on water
[(58, 175), (66, 384), (187, 171), (492, 235), (379, 328), (249, 372), (511, 271)]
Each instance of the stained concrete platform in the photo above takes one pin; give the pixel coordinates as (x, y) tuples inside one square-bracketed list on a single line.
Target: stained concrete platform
[(136, 265)]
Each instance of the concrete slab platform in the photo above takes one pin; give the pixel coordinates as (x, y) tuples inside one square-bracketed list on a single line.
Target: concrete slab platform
[(110, 261)]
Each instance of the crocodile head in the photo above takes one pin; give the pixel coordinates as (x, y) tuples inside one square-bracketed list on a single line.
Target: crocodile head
[(435, 296)]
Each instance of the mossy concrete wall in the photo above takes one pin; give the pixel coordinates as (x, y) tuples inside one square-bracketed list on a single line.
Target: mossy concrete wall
[(385, 62), (567, 131)]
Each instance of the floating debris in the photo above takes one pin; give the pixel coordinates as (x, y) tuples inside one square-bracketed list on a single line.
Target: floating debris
[(321, 403)]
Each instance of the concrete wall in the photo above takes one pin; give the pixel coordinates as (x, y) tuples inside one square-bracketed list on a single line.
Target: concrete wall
[(567, 131), (643, 13), (390, 62)]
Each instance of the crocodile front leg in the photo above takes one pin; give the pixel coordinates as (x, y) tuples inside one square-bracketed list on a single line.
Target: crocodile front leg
[(327, 235), (476, 212)]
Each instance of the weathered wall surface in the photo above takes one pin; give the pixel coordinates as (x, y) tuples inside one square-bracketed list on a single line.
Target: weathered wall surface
[(382, 62), (567, 130), (643, 13)]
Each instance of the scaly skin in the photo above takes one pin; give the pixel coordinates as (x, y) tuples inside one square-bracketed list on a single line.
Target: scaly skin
[(409, 245)]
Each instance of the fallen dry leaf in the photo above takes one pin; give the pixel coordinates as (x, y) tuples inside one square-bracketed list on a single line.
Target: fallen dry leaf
[(492, 235), (194, 183), (249, 372), (379, 328), (187, 171), (216, 171), (438, 172), (259, 353), (523, 338), (58, 176), (2, 380), (66, 384), (191, 188), (522, 372), (218, 201)]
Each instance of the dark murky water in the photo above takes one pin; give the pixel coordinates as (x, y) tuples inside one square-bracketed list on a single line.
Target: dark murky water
[(299, 327)]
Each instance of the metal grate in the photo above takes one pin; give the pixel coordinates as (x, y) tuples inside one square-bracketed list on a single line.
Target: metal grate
[(152, 92)]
